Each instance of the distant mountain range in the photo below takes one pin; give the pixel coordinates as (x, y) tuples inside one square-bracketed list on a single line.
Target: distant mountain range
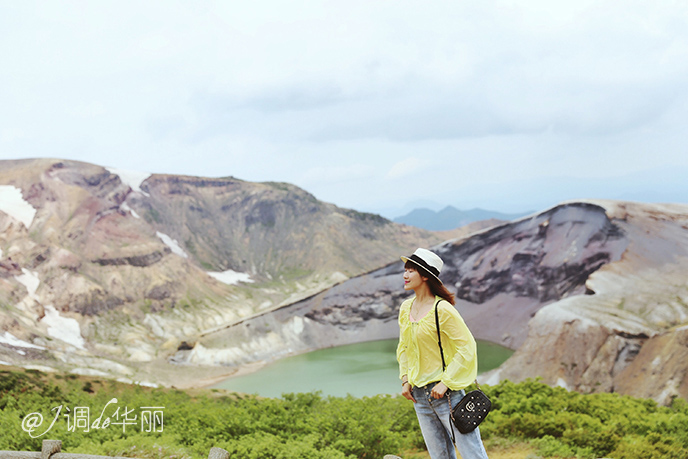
[(451, 217)]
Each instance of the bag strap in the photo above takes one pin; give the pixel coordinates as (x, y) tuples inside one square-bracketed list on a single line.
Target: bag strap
[(439, 339), (439, 342)]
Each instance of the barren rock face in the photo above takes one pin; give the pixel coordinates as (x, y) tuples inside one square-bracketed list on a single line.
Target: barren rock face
[(632, 325), (124, 259), (546, 257), (512, 269), (592, 295)]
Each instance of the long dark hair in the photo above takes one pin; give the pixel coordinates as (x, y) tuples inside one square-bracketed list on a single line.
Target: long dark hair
[(436, 287)]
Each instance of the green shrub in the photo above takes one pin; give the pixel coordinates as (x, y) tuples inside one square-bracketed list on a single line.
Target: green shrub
[(558, 423)]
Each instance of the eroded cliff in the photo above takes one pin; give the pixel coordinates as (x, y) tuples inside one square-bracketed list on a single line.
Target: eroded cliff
[(629, 335), (106, 272), (506, 272), (592, 295)]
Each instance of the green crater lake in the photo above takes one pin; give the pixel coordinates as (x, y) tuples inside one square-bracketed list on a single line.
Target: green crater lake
[(363, 369)]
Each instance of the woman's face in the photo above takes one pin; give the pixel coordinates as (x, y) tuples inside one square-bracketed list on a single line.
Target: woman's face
[(412, 279)]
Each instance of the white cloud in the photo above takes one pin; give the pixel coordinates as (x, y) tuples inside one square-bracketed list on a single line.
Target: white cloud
[(245, 88), (406, 167), (330, 174)]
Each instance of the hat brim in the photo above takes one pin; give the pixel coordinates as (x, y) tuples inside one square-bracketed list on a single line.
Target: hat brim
[(408, 259)]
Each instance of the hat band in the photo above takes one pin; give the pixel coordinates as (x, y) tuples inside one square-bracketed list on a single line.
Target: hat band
[(423, 264)]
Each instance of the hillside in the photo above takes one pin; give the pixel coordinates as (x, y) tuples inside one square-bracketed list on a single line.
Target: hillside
[(106, 272), (629, 334), (592, 295), (177, 280)]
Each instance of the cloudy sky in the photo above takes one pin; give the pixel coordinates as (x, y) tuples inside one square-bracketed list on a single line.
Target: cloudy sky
[(375, 105)]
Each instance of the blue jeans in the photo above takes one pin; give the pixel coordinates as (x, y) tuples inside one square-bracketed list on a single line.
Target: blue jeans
[(436, 426)]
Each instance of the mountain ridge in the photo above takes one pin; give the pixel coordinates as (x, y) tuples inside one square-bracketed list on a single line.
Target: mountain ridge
[(589, 293), (119, 276), (127, 261)]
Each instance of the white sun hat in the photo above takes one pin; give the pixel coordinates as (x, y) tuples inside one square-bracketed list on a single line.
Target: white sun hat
[(427, 260)]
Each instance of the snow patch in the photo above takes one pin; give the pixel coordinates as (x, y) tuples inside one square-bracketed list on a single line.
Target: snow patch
[(63, 328), (146, 384), (138, 383), (88, 372), (13, 204), (172, 244), (133, 179), (230, 277), (125, 207), (30, 281), (296, 325), (9, 338), (2, 362)]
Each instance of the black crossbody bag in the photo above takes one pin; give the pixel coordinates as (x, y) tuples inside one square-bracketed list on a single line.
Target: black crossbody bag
[(473, 407)]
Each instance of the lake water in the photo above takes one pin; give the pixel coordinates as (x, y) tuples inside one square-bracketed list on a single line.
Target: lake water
[(362, 369)]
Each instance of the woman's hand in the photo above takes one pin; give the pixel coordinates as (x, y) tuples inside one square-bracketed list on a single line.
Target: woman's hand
[(406, 392), (439, 390)]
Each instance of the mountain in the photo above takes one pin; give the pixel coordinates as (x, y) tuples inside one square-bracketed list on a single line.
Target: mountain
[(592, 295), (629, 333), (106, 272), (175, 280), (451, 217)]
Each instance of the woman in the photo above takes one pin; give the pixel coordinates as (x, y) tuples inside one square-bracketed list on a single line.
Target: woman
[(423, 379)]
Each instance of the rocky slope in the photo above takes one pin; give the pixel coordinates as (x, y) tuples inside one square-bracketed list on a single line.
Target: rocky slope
[(630, 335), (106, 272), (593, 296), (144, 277)]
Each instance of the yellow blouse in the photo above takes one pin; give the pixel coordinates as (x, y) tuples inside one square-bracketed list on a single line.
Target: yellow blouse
[(419, 354)]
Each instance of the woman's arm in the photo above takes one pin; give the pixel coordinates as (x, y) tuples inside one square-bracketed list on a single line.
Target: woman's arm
[(462, 370), (402, 357)]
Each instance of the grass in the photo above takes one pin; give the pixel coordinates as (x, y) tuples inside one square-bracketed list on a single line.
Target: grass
[(495, 450)]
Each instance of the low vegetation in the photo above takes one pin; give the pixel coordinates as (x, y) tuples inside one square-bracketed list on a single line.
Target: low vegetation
[(529, 416)]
